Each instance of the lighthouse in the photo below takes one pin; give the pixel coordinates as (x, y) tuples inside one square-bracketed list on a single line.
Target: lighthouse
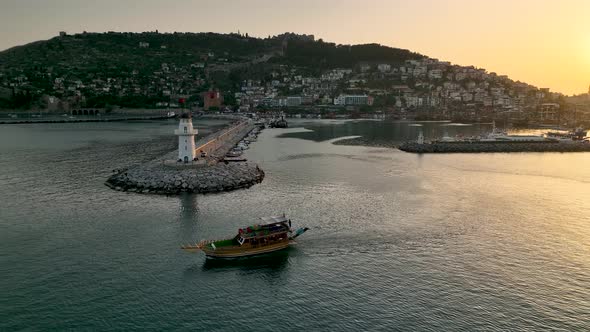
[(186, 138), (420, 138)]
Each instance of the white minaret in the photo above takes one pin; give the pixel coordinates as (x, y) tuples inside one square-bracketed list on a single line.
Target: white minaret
[(186, 138)]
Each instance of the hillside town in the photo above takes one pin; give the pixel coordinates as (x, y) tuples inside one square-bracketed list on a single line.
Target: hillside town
[(414, 89), (426, 89)]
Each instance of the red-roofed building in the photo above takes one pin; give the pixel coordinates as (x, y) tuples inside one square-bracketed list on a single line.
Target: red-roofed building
[(212, 99)]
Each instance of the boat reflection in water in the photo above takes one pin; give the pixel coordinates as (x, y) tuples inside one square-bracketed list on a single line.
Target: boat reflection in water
[(271, 262)]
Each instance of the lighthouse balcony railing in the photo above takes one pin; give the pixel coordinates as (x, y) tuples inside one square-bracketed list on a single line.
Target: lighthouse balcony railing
[(188, 132)]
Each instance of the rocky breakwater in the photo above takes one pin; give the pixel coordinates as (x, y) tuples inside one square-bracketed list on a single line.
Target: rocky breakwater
[(481, 147), (162, 179), (207, 175)]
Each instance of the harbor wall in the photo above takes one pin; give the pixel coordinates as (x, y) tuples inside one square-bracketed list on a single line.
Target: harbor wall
[(218, 144), (483, 147), (206, 175), (162, 179)]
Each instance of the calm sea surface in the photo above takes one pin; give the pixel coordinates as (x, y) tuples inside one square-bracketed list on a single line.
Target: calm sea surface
[(494, 242)]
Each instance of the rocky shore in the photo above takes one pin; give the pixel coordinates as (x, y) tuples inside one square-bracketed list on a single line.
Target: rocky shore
[(481, 147)]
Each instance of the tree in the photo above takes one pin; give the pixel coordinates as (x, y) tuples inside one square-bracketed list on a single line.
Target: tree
[(229, 99)]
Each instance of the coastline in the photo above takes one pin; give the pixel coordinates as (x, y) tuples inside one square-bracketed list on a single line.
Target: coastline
[(80, 120)]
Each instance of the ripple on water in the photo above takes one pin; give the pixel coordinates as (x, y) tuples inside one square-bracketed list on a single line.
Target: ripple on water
[(396, 241)]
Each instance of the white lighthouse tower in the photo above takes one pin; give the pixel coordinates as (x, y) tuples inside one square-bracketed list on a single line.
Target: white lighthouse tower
[(420, 138), (186, 138)]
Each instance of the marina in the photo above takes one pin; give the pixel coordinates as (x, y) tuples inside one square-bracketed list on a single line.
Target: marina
[(501, 141)]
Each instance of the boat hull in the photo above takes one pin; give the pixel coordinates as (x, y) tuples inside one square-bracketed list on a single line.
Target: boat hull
[(238, 252)]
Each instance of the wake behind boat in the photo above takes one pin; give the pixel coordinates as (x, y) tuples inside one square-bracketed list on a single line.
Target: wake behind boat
[(275, 235)]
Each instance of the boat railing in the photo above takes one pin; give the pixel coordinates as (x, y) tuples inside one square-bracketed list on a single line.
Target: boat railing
[(204, 243), (199, 245)]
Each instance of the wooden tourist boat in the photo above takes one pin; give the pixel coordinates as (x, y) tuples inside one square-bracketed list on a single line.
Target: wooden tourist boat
[(275, 234)]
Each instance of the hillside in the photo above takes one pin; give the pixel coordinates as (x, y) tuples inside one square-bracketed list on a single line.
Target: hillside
[(228, 58), (112, 54), (154, 70)]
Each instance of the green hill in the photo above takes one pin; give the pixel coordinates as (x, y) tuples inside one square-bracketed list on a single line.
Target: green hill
[(31, 71)]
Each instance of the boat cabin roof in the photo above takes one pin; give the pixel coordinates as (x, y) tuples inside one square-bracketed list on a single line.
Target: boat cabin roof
[(275, 219), (264, 230)]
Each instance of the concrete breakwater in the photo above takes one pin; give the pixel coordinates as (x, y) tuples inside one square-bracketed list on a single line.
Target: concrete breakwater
[(207, 175), (363, 141), (480, 147)]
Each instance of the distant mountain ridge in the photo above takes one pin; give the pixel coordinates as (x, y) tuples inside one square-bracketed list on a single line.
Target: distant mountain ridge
[(82, 68), (123, 48)]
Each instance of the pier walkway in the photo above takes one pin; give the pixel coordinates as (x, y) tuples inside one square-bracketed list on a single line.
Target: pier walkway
[(216, 145)]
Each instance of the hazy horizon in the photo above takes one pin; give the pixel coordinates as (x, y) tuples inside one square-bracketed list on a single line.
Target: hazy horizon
[(541, 42)]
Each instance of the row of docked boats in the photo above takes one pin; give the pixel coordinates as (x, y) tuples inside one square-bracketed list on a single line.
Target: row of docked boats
[(235, 154), (279, 123)]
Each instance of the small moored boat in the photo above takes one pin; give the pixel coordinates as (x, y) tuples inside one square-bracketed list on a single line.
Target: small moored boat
[(234, 153), (275, 235)]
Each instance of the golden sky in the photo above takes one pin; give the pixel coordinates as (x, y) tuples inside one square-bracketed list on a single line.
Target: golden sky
[(542, 42)]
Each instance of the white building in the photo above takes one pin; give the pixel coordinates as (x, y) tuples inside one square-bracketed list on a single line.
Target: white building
[(335, 74), (413, 101), (294, 101), (467, 97), (384, 67), (435, 74), (186, 138), (420, 71), (352, 100)]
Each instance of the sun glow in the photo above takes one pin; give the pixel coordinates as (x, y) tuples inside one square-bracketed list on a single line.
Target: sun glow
[(542, 42)]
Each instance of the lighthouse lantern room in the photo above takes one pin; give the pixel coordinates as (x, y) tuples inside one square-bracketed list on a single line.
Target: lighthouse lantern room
[(186, 138)]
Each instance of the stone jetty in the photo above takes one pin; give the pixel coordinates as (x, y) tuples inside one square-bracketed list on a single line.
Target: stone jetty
[(162, 179), (207, 175), (481, 147)]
